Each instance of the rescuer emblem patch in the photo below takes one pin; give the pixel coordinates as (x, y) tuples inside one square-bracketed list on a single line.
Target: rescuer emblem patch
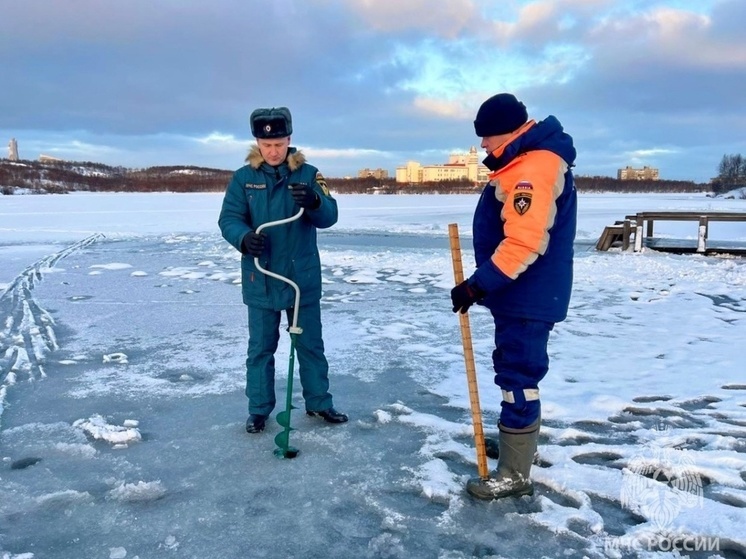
[(322, 183), (522, 202)]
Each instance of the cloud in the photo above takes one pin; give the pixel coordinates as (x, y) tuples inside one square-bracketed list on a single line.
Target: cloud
[(216, 138), (342, 153), (641, 153), (450, 19), (79, 150), (442, 107), (673, 37), (381, 81)]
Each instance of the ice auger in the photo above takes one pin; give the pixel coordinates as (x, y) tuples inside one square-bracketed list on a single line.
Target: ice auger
[(282, 439)]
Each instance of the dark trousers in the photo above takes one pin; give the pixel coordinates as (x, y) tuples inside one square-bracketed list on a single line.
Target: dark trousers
[(264, 335), (520, 361)]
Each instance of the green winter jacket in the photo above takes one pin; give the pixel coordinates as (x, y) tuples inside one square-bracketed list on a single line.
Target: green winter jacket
[(259, 193)]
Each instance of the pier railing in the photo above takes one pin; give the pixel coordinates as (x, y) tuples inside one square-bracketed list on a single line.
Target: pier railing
[(637, 231)]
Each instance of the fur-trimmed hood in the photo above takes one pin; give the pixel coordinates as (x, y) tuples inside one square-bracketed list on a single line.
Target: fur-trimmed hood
[(294, 158)]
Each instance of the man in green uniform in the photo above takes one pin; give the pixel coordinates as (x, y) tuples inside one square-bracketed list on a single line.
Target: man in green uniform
[(275, 182)]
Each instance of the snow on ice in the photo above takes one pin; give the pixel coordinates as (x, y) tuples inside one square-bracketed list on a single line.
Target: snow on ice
[(122, 347)]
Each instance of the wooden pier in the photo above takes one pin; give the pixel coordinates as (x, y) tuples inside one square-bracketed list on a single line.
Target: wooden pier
[(629, 233)]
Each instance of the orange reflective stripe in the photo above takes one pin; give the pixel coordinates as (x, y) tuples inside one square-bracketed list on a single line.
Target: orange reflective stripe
[(530, 186)]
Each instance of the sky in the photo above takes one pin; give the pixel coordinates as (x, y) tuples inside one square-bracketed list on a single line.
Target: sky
[(122, 406), (372, 84)]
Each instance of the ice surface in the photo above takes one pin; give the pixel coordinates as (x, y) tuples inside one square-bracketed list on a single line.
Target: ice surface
[(122, 347)]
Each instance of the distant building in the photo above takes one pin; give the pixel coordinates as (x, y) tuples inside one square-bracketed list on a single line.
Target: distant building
[(644, 174), (379, 174), (460, 166), (48, 159), (13, 150)]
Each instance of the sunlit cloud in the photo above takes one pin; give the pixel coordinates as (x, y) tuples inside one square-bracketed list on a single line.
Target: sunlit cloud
[(642, 157), (443, 108), (218, 138), (448, 20), (682, 37)]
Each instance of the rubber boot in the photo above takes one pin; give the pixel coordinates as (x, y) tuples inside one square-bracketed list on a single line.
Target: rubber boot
[(512, 476)]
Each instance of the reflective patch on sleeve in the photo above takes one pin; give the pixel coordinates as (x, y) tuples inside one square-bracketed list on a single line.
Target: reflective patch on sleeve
[(322, 183)]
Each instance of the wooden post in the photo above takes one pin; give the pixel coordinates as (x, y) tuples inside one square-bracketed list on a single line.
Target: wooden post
[(626, 234), (471, 373), (638, 233)]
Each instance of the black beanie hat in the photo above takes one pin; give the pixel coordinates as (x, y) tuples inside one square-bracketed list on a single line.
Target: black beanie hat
[(500, 114), (271, 123)]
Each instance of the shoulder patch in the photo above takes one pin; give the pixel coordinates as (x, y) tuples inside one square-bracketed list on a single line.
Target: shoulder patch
[(322, 183), (524, 185), (522, 201)]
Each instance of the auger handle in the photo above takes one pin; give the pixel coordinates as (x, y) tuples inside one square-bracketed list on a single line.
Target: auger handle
[(293, 329), (471, 373)]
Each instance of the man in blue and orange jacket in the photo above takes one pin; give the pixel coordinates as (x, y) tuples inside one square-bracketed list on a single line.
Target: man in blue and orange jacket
[(524, 228)]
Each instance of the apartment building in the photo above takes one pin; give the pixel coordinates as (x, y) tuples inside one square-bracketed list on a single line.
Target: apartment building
[(644, 174), (460, 166), (379, 173)]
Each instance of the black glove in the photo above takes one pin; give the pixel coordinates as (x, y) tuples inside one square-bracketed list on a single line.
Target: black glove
[(464, 296), (253, 244), (305, 196)]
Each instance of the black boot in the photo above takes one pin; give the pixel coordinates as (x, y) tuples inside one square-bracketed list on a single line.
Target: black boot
[(255, 423), (330, 416)]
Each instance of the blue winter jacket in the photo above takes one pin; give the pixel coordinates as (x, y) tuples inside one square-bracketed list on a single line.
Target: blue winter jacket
[(259, 193), (524, 225)]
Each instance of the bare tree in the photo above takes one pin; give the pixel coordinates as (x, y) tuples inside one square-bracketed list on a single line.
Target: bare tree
[(731, 173)]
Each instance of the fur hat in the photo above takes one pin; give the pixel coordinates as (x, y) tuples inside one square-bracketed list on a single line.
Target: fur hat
[(271, 123), (500, 114)]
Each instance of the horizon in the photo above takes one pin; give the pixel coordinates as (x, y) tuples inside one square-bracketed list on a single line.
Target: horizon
[(391, 177)]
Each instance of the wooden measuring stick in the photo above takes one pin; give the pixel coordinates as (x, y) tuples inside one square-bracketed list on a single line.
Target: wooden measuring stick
[(471, 373)]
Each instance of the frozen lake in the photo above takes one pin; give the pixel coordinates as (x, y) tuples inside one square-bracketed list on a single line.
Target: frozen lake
[(122, 411)]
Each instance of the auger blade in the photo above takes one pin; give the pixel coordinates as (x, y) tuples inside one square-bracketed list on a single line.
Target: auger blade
[(283, 418), (282, 439)]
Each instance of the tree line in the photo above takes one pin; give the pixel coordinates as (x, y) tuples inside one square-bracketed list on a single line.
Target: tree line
[(371, 185), (65, 176)]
